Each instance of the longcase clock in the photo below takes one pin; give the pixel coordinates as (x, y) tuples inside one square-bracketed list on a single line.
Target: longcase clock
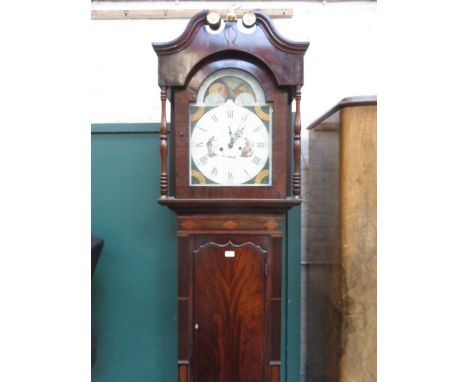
[(231, 176)]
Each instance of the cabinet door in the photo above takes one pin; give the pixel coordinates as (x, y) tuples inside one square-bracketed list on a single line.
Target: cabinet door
[(229, 313)]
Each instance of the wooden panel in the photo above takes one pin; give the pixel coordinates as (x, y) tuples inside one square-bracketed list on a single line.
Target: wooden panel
[(321, 270), (264, 233), (229, 305), (358, 240), (183, 267), (275, 307), (184, 329), (178, 57), (152, 14), (275, 373), (183, 373), (333, 115), (235, 222), (340, 263), (275, 266), (184, 298)]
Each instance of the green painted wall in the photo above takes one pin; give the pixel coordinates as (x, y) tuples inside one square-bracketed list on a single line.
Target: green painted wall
[(134, 287)]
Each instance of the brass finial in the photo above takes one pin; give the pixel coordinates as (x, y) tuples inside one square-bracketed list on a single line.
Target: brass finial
[(231, 15)]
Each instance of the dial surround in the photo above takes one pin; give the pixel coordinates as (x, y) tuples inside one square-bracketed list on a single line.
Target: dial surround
[(230, 145)]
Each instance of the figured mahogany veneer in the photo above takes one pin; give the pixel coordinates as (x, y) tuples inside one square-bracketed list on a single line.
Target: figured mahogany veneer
[(229, 307), (229, 312), (230, 238), (181, 57)]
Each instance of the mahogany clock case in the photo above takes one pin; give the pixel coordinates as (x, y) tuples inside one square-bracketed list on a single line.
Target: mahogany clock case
[(230, 238), (274, 61)]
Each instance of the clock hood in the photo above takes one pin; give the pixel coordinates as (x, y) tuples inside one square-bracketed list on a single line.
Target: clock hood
[(197, 44)]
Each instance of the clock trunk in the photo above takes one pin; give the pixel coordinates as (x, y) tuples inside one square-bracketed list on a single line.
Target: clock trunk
[(229, 297)]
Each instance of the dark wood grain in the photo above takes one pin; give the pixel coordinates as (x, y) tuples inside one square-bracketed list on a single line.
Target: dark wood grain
[(229, 304), (297, 146), (225, 205), (254, 239), (183, 374), (236, 302), (178, 57), (163, 182), (239, 223), (275, 373)]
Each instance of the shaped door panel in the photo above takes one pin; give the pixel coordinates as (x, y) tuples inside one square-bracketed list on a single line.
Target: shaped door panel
[(229, 313)]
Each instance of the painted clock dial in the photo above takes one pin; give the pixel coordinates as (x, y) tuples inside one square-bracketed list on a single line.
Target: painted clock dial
[(230, 145), (230, 132)]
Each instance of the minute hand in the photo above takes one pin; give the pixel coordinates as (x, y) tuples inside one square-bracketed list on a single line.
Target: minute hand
[(232, 139)]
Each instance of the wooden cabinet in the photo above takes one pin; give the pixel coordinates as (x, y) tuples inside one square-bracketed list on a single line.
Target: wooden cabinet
[(341, 239)]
